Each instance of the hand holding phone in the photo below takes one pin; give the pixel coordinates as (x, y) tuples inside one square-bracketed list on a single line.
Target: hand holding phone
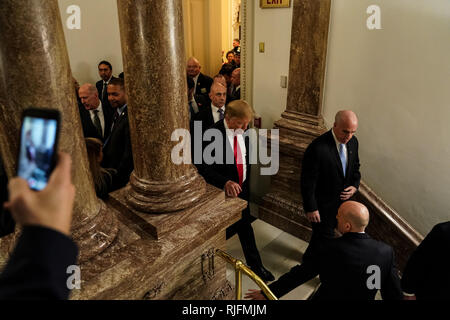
[(51, 207), (38, 144)]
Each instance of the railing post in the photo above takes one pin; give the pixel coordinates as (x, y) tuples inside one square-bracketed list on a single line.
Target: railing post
[(239, 268), (238, 281)]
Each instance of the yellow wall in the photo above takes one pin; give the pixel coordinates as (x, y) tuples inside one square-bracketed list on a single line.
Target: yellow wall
[(207, 31)]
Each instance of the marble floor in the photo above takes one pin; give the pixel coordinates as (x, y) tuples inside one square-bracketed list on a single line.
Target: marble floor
[(279, 251)]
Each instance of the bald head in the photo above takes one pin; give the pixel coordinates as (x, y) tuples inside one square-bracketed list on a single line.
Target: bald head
[(220, 79), (193, 67), (193, 60), (236, 77), (346, 116), (218, 95), (345, 125), (89, 96), (352, 217), (89, 88)]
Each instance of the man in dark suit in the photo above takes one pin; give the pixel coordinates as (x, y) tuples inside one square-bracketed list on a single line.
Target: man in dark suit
[(105, 72), (427, 273), (352, 267), (237, 58), (226, 71), (219, 78), (196, 102), (330, 175), (202, 82), (96, 120), (37, 268), (235, 85), (232, 174), (214, 111), (117, 153)]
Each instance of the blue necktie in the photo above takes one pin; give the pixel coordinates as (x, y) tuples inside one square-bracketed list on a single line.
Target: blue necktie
[(342, 156)]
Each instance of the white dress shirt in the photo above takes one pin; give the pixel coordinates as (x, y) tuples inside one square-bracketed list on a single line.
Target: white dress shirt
[(240, 138), (195, 82), (101, 116)]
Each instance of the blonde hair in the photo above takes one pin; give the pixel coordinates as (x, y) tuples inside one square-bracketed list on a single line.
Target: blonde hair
[(239, 109)]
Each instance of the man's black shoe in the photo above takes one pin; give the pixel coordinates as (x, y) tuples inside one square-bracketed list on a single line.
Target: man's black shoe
[(264, 274)]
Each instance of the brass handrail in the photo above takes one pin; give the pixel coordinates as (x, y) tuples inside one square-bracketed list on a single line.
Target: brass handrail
[(240, 267)]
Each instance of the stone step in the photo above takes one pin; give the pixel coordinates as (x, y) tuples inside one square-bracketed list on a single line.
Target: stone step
[(279, 251)]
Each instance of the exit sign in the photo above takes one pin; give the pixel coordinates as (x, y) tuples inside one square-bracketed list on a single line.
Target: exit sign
[(274, 3)]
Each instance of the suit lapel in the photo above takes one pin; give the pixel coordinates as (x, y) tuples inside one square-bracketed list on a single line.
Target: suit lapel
[(350, 156), (210, 117), (116, 125), (199, 83), (227, 147), (121, 118), (335, 154)]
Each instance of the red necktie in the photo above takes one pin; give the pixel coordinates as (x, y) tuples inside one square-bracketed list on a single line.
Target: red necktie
[(238, 159)]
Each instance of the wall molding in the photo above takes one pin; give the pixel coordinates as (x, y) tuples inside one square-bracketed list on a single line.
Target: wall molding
[(247, 12), (388, 226)]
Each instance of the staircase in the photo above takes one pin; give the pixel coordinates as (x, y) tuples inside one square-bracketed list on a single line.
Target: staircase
[(279, 251)]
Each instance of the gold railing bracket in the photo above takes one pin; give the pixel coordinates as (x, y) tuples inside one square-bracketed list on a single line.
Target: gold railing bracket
[(240, 268)]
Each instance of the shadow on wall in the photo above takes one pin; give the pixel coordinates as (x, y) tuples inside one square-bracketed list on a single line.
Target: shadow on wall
[(83, 73)]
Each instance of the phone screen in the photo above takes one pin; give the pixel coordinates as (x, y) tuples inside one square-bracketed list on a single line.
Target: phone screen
[(37, 148)]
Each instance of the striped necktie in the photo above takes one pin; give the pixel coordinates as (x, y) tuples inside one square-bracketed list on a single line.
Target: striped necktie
[(220, 111)]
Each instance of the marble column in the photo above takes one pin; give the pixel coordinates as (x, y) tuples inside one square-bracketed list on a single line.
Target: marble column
[(35, 71), (309, 39), (302, 120), (171, 220), (155, 74)]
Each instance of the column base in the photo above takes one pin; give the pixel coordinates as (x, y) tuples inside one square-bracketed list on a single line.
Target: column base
[(282, 206), (164, 197), (92, 237), (159, 225), (180, 265), (97, 234)]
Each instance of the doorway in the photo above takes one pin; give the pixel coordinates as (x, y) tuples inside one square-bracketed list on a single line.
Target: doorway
[(209, 29)]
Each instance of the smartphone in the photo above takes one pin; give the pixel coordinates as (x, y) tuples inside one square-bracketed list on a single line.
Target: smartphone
[(39, 135)]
